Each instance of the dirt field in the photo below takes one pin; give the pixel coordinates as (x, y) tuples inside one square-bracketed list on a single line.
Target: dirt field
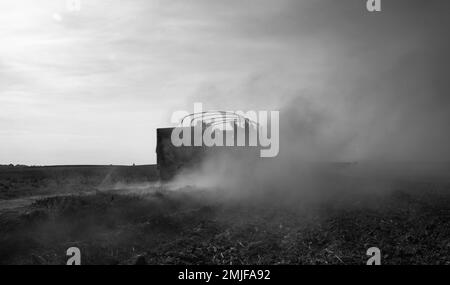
[(44, 211)]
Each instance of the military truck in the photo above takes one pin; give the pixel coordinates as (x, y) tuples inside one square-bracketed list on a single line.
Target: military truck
[(172, 159)]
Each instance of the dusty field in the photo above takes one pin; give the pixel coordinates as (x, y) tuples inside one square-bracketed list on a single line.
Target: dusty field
[(19, 182), (410, 225)]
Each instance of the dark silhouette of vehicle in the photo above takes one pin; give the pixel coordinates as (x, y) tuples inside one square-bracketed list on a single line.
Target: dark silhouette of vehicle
[(172, 159)]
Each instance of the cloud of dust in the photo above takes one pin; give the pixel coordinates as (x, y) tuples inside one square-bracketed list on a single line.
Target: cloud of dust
[(376, 94)]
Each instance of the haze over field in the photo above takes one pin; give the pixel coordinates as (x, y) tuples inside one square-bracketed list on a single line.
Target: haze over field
[(364, 113), (91, 86)]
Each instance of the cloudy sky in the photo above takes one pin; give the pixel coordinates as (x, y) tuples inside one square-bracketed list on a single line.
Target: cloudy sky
[(91, 86)]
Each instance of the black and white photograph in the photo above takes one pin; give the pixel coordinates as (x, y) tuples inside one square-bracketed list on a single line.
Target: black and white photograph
[(245, 135)]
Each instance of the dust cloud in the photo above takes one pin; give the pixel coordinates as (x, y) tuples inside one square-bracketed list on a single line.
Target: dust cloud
[(371, 110)]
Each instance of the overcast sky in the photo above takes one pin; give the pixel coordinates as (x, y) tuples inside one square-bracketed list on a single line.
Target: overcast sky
[(91, 86)]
